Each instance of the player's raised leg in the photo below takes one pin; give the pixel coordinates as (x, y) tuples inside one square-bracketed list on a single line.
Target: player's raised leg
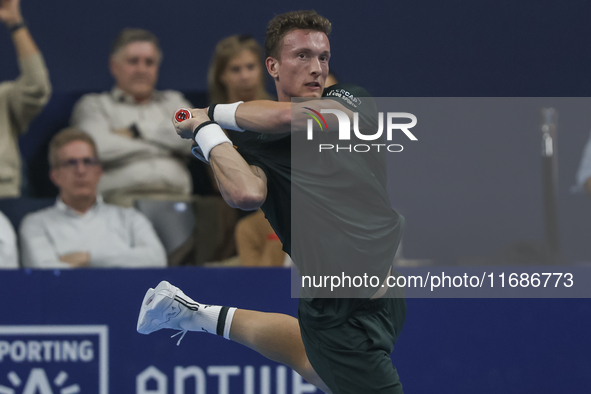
[(274, 335)]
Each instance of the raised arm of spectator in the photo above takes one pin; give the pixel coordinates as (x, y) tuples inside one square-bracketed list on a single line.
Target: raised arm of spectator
[(31, 91)]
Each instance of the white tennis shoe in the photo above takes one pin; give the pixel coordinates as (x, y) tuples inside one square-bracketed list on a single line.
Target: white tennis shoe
[(166, 306)]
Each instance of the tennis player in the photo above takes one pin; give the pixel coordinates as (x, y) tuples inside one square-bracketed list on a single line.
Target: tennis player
[(344, 221)]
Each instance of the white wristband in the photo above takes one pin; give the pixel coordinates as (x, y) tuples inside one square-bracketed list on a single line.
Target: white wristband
[(225, 116), (209, 137)]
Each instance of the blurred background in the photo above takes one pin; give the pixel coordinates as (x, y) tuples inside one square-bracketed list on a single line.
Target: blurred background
[(393, 49)]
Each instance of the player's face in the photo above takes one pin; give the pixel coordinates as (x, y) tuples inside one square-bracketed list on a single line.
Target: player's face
[(78, 171), (303, 67), (242, 75), (135, 69)]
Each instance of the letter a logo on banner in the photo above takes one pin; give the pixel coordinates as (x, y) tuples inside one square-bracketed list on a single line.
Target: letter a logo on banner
[(37, 383)]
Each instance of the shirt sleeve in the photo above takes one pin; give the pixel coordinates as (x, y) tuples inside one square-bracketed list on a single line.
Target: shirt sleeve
[(30, 92), (145, 249), (37, 247), (249, 242), (356, 99), (91, 117)]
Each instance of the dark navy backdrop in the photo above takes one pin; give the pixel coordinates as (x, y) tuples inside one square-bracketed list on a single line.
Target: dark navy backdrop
[(397, 48)]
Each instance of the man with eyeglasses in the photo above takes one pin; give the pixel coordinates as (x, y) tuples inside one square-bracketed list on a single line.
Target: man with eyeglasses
[(80, 230)]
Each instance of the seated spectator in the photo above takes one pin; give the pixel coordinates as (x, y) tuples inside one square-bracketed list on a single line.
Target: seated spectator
[(257, 243), (235, 74), (8, 249), (80, 230), (20, 100), (236, 71), (131, 124)]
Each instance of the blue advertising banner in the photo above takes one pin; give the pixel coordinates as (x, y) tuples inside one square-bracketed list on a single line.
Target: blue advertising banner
[(70, 332)]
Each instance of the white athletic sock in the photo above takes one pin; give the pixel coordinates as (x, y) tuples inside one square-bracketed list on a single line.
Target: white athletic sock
[(214, 319)]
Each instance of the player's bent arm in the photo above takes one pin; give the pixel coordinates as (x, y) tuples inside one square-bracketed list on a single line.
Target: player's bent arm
[(271, 117), (242, 186), (264, 116)]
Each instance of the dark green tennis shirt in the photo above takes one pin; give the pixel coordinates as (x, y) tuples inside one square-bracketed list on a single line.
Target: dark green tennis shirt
[(330, 208)]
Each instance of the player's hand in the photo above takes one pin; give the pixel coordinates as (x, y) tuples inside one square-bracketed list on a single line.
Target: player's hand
[(10, 12), (185, 128), (76, 259)]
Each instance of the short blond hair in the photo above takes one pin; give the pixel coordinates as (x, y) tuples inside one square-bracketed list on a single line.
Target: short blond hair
[(63, 138), (282, 24), (225, 51)]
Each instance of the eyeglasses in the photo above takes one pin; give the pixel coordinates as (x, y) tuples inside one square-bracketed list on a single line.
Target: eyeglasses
[(74, 163)]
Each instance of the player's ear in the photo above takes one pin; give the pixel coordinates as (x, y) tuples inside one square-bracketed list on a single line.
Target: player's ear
[(272, 67)]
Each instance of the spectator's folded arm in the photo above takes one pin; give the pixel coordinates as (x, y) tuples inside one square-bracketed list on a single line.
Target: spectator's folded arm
[(37, 248)]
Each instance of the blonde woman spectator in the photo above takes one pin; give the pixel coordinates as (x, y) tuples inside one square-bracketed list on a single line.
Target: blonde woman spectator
[(236, 71)]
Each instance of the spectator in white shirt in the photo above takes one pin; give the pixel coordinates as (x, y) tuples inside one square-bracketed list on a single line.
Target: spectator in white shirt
[(8, 249), (132, 128), (80, 230)]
